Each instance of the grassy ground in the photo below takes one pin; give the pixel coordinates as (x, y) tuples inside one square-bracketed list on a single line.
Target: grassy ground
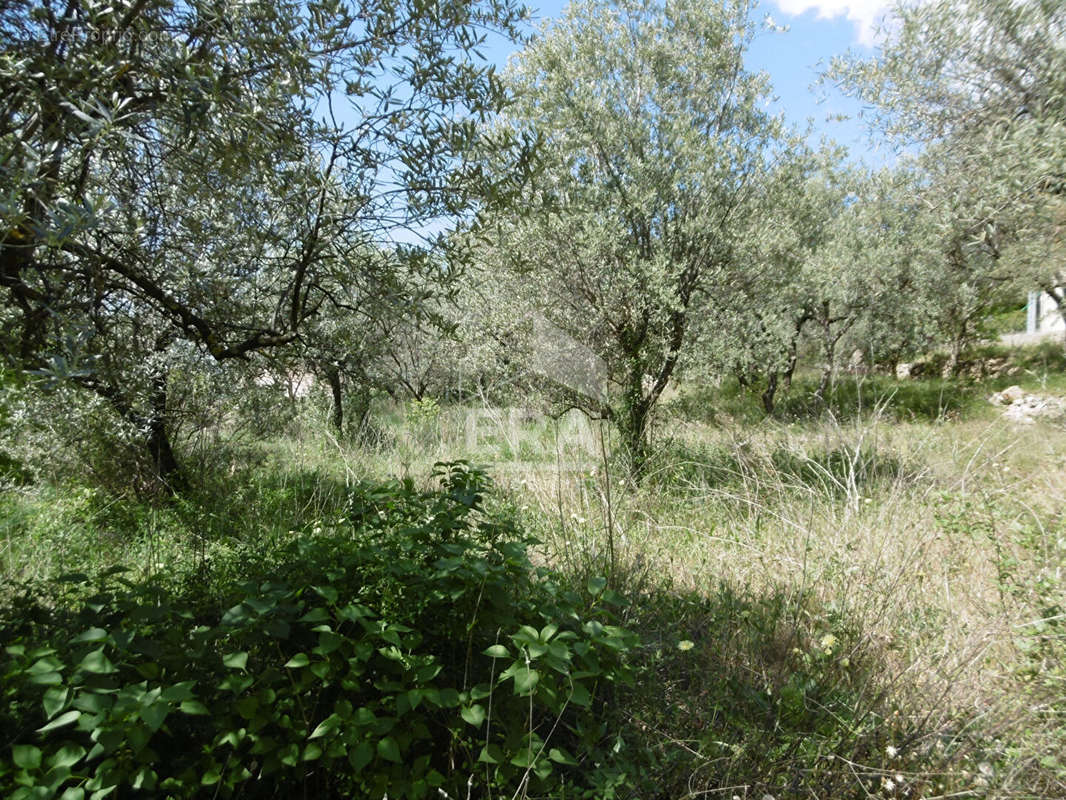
[(865, 600)]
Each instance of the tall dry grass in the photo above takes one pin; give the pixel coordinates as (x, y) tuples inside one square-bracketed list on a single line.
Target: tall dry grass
[(930, 552)]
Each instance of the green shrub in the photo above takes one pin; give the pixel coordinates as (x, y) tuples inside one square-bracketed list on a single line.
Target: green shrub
[(407, 648)]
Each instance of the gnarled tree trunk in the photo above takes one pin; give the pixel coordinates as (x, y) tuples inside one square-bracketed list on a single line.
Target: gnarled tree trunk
[(336, 390), (165, 463)]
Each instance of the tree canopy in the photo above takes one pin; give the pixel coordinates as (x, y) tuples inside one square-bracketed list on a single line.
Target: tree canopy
[(979, 86), (205, 175), (652, 136)]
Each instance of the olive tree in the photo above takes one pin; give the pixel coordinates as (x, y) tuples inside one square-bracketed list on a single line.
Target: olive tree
[(979, 86), (206, 174), (652, 133), (784, 283)]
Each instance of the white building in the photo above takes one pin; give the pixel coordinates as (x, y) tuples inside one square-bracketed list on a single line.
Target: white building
[(1043, 315)]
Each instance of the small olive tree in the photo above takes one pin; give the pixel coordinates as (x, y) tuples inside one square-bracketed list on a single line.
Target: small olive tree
[(652, 136)]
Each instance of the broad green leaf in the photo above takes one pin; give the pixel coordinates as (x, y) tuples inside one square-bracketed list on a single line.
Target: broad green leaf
[(235, 660), (326, 726), (47, 678), (328, 642), (67, 756), (236, 615), (26, 756), (93, 703), (525, 680), (179, 692), (154, 715), (97, 663), (327, 593), (54, 700), (360, 756), (315, 615), (62, 720), (580, 696), (560, 756), (45, 665), (449, 697), (474, 714), (389, 750), (91, 635)]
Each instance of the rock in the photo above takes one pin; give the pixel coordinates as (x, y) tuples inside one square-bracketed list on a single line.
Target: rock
[(1012, 394), (1030, 407), (903, 371), (1027, 408)]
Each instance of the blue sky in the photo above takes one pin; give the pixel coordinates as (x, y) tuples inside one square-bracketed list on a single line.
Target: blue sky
[(794, 60), (818, 30)]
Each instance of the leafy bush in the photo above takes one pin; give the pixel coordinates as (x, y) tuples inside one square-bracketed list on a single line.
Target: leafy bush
[(405, 648)]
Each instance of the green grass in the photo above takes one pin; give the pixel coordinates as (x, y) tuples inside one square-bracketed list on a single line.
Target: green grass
[(857, 600), (1038, 368), (47, 530)]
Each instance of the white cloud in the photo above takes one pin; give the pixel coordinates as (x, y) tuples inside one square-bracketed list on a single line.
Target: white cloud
[(866, 14)]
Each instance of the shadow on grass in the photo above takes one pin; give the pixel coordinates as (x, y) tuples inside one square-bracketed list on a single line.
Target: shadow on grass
[(769, 693), (47, 529)]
